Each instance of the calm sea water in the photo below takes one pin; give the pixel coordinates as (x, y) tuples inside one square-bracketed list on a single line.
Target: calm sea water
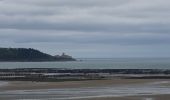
[(115, 63)]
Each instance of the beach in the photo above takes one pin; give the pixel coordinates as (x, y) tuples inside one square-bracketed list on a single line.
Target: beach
[(28, 85), (112, 89), (145, 97)]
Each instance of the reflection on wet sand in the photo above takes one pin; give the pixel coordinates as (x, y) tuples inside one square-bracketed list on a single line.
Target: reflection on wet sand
[(84, 90)]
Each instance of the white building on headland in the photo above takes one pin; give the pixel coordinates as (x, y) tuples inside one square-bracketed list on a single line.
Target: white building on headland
[(63, 56)]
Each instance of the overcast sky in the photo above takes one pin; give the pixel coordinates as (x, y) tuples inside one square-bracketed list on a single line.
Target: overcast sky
[(88, 28)]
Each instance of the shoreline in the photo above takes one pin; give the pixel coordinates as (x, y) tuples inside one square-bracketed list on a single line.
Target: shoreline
[(30, 88), (29, 85), (59, 74), (84, 84), (143, 97)]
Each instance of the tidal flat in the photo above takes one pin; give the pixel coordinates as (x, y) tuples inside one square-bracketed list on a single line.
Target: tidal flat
[(111, 89)]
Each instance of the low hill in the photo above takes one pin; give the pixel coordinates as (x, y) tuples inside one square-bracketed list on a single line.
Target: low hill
[(24, 54)]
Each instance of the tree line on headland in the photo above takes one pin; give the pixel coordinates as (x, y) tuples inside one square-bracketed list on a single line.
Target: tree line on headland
[(29, 54)]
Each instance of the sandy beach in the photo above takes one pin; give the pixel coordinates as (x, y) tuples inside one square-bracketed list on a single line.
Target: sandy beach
[(22, 90), (28, 85), (145, 97)]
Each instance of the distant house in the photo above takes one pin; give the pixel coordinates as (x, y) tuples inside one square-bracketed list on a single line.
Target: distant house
[(63, 56)]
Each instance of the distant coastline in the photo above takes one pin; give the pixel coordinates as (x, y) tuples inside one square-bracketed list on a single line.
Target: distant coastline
[(30, 55)]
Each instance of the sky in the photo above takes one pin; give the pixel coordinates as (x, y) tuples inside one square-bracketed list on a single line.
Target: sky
[(88, 28)]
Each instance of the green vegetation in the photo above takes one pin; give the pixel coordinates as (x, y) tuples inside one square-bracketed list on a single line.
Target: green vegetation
[(24, 54)]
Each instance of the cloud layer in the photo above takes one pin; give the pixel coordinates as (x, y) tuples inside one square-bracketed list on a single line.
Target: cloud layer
[(89, 28)]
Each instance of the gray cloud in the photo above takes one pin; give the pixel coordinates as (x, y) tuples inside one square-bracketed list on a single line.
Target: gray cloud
[(120, 26), (25, 36)]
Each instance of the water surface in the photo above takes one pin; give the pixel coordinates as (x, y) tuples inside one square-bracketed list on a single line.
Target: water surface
[(114, 63)]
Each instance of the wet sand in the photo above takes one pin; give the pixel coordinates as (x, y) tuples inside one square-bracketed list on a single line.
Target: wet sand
[(145, 97), (18, 85), (24, 85)]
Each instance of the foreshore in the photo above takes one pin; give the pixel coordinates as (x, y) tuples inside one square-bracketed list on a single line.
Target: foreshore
[(144, 97), (43, 87), (84, 84), (29, 85)]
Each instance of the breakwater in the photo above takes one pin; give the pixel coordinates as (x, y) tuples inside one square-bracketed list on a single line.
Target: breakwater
[(59, 74)]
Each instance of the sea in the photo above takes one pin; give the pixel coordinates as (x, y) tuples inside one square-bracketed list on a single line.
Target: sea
[(153, 88), (96, 63)]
